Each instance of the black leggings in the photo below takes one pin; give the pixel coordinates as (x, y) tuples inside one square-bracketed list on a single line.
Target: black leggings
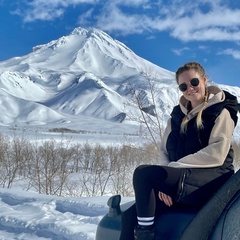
[(148, 180)]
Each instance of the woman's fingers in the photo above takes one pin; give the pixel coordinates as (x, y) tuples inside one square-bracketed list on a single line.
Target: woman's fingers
[(165, 198), (160, 195)]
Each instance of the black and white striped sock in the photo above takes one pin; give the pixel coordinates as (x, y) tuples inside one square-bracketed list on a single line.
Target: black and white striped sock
[(145, 221)]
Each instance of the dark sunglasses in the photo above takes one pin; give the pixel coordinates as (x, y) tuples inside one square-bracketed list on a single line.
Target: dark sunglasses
[(194, 83)]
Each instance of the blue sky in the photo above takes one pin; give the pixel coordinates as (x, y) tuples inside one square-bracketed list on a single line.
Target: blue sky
[(167, 33)]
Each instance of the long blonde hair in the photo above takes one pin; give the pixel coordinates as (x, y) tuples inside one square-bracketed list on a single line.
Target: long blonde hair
[(199, 69)]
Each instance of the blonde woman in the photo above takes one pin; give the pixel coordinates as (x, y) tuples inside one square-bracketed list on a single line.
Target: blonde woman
[(196, 154)]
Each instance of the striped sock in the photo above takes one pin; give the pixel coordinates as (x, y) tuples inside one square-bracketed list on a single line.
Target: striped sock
[(145, 221)]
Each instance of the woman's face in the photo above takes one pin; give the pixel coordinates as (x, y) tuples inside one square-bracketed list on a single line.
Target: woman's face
[(195, 94)]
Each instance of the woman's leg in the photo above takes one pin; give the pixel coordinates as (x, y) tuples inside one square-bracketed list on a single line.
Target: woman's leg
[(129, 221), (150, 178), (147, 181)]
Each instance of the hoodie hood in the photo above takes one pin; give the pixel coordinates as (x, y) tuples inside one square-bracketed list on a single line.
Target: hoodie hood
[(216, 95)]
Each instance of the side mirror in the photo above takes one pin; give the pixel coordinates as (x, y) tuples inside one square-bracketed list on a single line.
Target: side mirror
[(114, 206)]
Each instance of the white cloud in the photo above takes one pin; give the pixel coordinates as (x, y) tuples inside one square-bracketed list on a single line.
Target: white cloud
[(204, 20), (180, 51), (184, 20), (114, 20), (83, 19), (205, 49), (234, 53), (46, 10), (131, 3), (41, 13), (219, 25)]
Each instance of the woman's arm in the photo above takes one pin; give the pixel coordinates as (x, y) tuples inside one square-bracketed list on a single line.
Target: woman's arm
[(163, 154)]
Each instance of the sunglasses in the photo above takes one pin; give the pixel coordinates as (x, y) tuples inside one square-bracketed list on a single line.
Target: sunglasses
[(193, 82)]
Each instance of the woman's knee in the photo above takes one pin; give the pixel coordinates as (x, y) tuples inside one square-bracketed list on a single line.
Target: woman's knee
[(139, 171), (142, 174)]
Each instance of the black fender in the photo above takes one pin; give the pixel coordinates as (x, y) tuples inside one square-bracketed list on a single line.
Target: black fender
[(218, 219), (205, 221)]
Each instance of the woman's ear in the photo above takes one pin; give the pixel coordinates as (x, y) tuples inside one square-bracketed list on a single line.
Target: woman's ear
[(205, 80)]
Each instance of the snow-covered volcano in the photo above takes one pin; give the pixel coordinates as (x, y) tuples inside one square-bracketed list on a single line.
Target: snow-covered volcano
[(84, 74)]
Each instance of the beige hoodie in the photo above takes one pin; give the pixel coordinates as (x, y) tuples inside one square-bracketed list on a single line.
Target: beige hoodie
[(219, 142)]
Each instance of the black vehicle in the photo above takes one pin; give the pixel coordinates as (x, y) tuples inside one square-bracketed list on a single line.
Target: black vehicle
[(218, 219)]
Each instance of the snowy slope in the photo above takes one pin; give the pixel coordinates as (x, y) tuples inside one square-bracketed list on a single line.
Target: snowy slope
[(85, 74), (27, 215)]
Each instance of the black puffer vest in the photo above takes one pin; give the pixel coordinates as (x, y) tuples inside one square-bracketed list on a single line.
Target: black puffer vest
[(180, 145)]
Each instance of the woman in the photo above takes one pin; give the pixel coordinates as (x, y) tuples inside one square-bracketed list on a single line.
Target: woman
[(196, 154)]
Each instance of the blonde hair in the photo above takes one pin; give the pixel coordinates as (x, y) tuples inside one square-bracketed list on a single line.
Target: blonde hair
[(199, 69)]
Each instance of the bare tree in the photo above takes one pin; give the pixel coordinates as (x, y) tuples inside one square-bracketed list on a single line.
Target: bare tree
[(153, 110)]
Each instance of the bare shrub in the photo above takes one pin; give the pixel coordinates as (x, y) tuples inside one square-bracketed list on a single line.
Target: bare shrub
[(96, 166), (14, 157), (52, 163), (61, 168), (4, 166)]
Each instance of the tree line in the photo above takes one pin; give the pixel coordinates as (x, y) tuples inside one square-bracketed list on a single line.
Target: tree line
[(67, 169)]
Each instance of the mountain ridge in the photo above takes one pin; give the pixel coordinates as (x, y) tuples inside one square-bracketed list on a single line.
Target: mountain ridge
[(84, 74)]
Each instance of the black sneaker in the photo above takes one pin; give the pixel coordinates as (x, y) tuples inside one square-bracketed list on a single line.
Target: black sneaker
[(144, 233)]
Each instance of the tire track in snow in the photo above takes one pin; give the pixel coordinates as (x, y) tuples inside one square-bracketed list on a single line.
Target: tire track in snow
[(48, 217)]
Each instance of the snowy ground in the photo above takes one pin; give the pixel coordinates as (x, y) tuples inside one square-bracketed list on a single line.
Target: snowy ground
[(28, 215)]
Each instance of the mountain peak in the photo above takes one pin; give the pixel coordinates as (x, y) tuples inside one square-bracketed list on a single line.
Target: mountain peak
[(89, 32), (90, 50), (83, 35), (86, 74)]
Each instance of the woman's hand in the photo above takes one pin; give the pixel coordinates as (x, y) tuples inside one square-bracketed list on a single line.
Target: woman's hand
[(165, 198)]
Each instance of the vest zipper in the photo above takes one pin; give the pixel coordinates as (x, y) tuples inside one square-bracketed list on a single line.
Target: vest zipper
[(182, 184)]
